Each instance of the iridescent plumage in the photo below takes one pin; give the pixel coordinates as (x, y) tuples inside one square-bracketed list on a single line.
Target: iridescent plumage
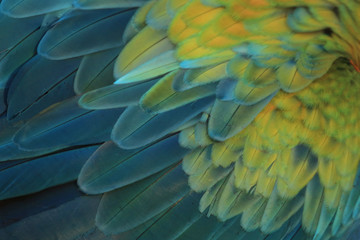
[(243, 110)]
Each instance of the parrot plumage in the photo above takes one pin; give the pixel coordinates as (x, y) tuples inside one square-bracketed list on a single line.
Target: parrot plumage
[(174, 119)]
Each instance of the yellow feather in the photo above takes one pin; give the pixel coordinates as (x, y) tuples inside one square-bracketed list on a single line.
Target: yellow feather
[(142, 48)]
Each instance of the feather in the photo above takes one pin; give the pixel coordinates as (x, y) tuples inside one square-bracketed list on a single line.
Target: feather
[(251, 217), (137, 231), (98, 4), (247, 95), (181, 215), (187, 138), (278, 210), (145, 128), (326, 216), (300, 169), (200, 76), (96, 71), (228, 118), (14, 30), (28, 8), (139, 51), (339, 214), (93, 31), (290, 79), (56, 79), (64, 125), (158, 17), (201, 134), (17, 55), (350, 205), (312, 205), (203, 228), (197, 161), (69, 217), (115, 96), (208, 178), (8, 149), (36, 174), (158, 66), (137, 22), (118, 210), (112, 167), (161, 97)]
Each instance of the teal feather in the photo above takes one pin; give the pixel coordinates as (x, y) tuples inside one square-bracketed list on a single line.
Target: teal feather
[(2, 101), (119, 209), (162, 98), (96, 71), (81, 30), (28, 8), (145, 128), (8, 149), (225, 89), (204, 228), (115, 96), (54, 78), (14, 30), (157, 66), (354, 195), (112, 167), (69, 217), (139, 230), (181, 216), (98, 4), (19, 54), (64, 125), (34, 175), (16, 34), (229, 118)]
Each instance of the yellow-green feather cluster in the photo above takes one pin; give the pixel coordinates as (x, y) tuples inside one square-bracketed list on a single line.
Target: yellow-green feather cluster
[(280, 143)]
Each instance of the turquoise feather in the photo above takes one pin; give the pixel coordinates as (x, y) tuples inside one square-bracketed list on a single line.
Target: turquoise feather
[(96, 71), (112, 167), (118, 210), (65, 125), (79, 38), (28, 8), (56, 79)]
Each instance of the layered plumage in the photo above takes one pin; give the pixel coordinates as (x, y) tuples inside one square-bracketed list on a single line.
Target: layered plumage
[(179, 119)]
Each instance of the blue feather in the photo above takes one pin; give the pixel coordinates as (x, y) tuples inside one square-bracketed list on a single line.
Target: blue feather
[(145, 128), (81, 33), (112, 167), (54, 81), (28, 8), (96, 71), (64, 125), (62, 212), (119, 209), (98, 4), (40, 173), (115, 96)]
